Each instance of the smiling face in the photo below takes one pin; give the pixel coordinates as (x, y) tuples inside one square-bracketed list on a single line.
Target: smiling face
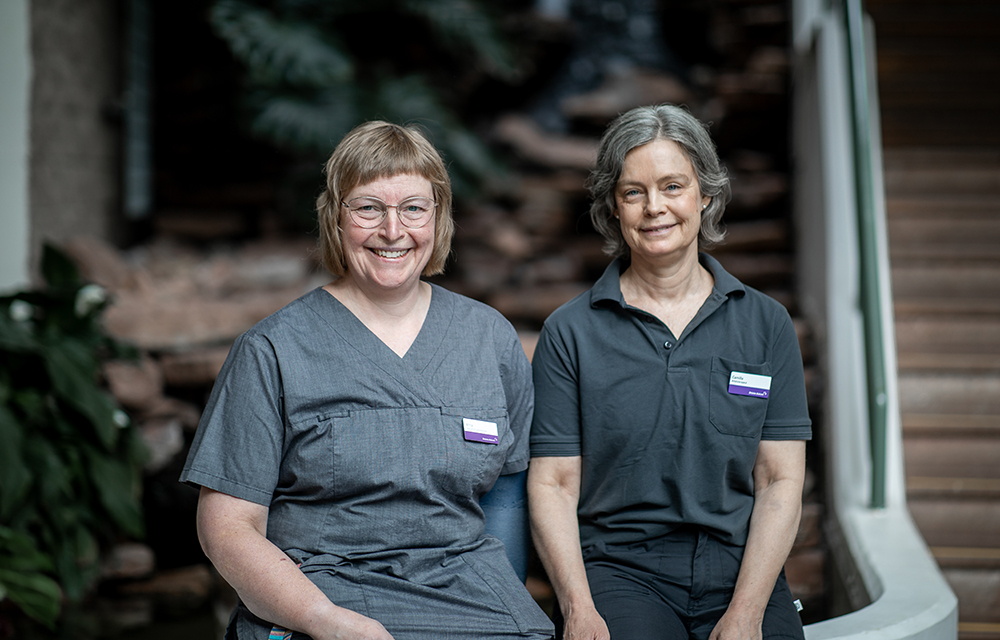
[(389, 257), (658, 203)]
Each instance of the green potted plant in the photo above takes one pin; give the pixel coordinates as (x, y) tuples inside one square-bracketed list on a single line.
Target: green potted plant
[(70, 460)]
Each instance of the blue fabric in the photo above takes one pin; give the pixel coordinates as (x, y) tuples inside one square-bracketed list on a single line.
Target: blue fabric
[(506, 510)]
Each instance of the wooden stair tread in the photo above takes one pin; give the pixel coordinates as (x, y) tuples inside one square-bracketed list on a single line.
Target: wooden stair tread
[(954, 207), (921, 487), (984, 180), (949, 393), (968, 557), (903, 157), (948, 522), (934, 463), (957, 362), (950, 425), (978, 630), (929, 305)]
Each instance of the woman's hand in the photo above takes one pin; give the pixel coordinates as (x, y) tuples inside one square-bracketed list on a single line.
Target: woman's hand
[(232, 534), (736, 626), (354, 626), (586, 625)]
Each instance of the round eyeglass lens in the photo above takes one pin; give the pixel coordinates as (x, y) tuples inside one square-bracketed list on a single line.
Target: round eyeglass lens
[(369, 212)]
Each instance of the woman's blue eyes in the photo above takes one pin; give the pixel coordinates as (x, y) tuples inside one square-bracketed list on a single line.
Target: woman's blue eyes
[(635, 193)]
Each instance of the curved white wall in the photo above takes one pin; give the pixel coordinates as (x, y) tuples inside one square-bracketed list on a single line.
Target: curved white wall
[(15, 78)]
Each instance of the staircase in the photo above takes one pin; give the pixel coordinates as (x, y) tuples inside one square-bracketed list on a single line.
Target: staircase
[(939, 88)]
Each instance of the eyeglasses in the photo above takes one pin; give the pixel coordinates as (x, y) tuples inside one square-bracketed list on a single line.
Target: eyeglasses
[(368, 212)]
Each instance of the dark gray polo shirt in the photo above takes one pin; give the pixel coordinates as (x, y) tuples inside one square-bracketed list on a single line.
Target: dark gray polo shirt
[(667, 426)]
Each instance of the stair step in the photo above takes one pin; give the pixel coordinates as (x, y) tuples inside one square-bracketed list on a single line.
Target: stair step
[(967, 557), (978, 630), (978, 592), (950, 425), (953, 206), (948, 343), (958, 362), (944, 237), (929, 305), (965, 179), (947, 126), (947, 522), (957, 283), (922, 487), (930, 157), (959, 458), (962, 394)]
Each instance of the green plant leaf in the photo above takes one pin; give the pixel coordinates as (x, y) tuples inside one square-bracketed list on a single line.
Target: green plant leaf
[(71, 368), (37, 595), (58, 269), (116, 486), (309, 123), (465, 27), (22, 578), (15, 477), (277, 50), (15, 336)]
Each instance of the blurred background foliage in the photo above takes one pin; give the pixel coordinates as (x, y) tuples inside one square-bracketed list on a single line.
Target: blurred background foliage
[(316, 68), (70, 467)]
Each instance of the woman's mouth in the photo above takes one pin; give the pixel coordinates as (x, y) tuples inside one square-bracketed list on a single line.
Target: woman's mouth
[(659, 229), (390, 253)]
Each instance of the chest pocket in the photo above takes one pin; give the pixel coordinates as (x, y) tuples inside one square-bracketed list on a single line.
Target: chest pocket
[(734, 414), (413, 452)]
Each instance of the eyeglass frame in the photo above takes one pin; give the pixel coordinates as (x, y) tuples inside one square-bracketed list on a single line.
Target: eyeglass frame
[(385, 211)]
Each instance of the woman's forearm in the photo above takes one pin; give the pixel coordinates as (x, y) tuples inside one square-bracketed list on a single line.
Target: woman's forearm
[(552, 504), (773, 526), (779, 473), (268, 582)]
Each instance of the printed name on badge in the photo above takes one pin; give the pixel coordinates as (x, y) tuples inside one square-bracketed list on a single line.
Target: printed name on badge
[(749, 384), (480, 431)]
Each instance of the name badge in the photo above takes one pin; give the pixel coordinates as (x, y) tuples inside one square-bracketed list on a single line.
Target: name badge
[(749, 384), (480, 431)]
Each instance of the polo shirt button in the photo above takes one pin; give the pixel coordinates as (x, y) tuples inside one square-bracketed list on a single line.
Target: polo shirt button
[(667, 345)]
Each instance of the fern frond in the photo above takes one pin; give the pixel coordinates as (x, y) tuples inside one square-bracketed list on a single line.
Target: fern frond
[(464, 26), (317, 124), (276, 50)]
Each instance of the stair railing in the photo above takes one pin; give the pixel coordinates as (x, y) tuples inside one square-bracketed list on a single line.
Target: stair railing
[(892, 587), (868, 250)]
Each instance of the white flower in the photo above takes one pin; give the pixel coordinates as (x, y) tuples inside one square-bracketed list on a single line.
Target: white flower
[(120, 418), (88, 298), (21, 311)]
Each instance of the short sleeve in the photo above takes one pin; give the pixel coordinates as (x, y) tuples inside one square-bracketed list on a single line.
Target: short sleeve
[(238, 445), (515, 372), (787, 406), (555, 430)]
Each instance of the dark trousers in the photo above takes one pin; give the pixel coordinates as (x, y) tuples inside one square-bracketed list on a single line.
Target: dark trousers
[(676, 588)]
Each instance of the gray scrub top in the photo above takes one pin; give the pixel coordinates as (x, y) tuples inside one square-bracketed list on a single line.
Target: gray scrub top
[(667, 426), (372, 465)]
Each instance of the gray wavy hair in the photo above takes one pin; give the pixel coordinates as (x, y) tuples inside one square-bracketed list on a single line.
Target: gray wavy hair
[(643, 125)]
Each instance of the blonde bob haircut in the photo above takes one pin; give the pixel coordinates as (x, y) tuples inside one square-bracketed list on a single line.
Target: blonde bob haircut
[(372, 151)]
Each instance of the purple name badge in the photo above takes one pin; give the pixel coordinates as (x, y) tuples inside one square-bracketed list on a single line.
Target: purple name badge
[(749, 384), (480, 431)]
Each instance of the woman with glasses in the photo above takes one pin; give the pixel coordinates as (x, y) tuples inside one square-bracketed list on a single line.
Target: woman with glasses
[(350, 437), (667, 446)]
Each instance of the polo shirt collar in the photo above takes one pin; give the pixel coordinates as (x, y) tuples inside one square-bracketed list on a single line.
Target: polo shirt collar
[(608, 286)]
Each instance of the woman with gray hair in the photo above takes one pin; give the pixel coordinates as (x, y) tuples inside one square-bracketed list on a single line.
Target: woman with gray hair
[(667, 445)]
